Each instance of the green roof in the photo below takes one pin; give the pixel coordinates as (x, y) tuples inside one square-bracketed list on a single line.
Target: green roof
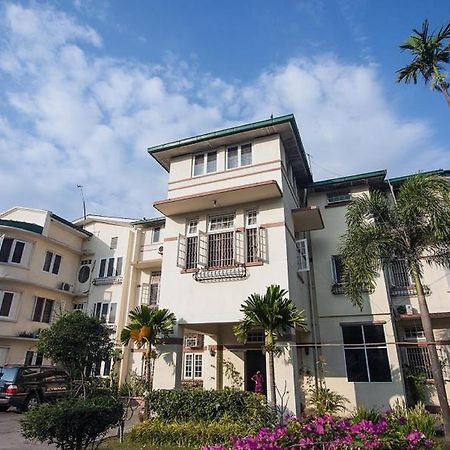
[(70, 224), (150, 222), (27, 226), (288, 118), (222, 133), (442, 172), (350, 179)]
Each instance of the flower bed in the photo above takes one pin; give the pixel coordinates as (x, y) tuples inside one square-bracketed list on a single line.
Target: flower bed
[(331, 433)]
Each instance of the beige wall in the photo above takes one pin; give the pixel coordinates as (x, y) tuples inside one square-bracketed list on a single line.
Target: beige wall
[(266, 166)]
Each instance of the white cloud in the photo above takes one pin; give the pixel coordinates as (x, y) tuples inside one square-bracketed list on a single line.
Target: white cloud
[(73, 115)]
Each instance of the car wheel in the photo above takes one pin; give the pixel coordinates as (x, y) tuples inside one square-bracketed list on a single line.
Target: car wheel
[(4, 408), (31, 402)]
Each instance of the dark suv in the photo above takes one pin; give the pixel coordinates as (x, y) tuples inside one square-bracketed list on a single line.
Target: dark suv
[(26, 386)]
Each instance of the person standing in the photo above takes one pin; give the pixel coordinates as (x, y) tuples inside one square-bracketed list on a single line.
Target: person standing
[(258, 379)]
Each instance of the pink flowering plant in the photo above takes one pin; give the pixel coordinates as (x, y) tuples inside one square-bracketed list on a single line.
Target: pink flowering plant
[(327, 432)]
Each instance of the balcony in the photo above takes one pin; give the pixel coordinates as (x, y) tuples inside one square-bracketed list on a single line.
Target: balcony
[(247, 193), (107, 280)]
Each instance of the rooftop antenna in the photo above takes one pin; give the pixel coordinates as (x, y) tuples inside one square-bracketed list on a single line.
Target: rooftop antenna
[(80, 187), (392, 190)]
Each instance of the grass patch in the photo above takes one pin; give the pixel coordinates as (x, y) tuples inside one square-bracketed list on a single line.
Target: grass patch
[(114, 444)]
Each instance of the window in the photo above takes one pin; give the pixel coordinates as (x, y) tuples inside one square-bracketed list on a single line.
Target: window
[(52, 262), (337, 269), (414, 333), (302, 255), (110, 267), (43, 309), (204, 163), (220, 241), (191, 243), (338, 197), (399, 274), (193, 366), (79, 306), (255, 336), (251, 237), (365, 350), (6, 304), (155, 281), (239, 156), (191, 340), (106, 312), (114, 242), (33, 358), (156, 235), (11, 250)]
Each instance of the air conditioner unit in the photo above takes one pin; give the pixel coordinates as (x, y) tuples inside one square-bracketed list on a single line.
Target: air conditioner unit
[(409, 310), (66, 287), (161, 249)]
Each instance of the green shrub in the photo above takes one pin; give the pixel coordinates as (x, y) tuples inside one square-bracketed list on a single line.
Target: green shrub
[(207, 405), (416, 418), (361, 413), (157, 432), (134, 386), (72, 424), (326, 401)]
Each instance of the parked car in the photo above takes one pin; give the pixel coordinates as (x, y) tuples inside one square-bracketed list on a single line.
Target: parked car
[(25, 387)]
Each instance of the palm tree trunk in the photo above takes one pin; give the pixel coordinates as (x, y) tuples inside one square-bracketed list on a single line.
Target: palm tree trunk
[(148, 380), (436, 368), (444, 89), (272, 378)]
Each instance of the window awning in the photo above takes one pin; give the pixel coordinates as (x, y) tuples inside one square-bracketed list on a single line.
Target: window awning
[(307, 219), (219, 198)]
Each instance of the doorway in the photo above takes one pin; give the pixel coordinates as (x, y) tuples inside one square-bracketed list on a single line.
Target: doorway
[(254, 360)]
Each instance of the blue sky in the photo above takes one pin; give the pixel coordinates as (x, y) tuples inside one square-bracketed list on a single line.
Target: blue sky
[(88, 85)]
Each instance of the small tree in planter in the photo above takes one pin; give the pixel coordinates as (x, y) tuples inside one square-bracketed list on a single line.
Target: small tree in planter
[(147, 327)]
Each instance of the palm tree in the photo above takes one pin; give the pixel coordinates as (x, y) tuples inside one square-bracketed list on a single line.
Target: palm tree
[(429, 52), (147, 326), (414, 227), (276, 315)]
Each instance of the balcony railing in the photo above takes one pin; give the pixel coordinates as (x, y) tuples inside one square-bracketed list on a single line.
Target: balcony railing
[(107, 280)]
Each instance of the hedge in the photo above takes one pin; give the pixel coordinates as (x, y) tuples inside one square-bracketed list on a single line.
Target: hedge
[(157, 432), (200, 405), (72, 424)]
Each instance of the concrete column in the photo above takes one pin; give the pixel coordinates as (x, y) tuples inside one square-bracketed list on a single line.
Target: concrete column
[(169, 364)]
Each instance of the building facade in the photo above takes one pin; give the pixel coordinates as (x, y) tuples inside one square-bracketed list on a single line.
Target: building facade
[(39, 254), (242, 212)]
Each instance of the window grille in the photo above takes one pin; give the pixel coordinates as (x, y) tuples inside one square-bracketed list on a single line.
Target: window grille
[(191, 252), (399, 274), (221, 249), (191, 340), (155, 281)]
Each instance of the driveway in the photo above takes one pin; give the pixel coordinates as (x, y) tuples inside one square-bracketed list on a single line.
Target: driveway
[(12, 439)]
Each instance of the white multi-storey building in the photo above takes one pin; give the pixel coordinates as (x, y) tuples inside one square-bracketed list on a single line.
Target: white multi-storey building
[(243, 212)]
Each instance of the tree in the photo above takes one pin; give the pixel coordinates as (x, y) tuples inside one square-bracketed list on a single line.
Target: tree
[(146, 329), (276, 315), (414, 227), (429, 52), (76, 341)]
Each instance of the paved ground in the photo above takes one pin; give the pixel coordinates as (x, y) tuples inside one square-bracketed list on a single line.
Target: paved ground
[(11, 438)]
